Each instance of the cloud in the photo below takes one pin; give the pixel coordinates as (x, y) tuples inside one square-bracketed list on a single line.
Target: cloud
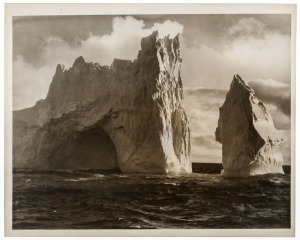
[(251, 58), (123, 42), (273, 92), (32, 83), (167, 28), (206, 98), (281, 120), (280, 23), (255, 46), (246, 27), (202, 107), (207, 141)]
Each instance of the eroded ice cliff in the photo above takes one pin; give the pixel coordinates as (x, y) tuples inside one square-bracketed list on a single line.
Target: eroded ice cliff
[(128, 116), (250, 142)]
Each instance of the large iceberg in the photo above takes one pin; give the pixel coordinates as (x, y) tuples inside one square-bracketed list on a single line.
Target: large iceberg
[(128, 116)]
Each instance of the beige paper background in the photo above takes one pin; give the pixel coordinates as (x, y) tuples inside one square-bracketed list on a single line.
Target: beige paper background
[(113, 9)]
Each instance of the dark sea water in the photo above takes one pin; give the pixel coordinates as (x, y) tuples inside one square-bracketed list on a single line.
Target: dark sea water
[(92, 199)]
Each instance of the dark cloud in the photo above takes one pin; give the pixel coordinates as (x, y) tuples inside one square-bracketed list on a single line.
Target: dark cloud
[(276, 23), (248, 27), (30, 33), (258, 26), (277, 98), (212, 30), (270, 91)]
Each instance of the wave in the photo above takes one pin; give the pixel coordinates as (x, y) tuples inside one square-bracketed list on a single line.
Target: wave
[(94, 177), (89, 199)]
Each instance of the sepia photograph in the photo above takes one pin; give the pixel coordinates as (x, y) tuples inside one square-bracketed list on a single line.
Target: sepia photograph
[(151, 119)]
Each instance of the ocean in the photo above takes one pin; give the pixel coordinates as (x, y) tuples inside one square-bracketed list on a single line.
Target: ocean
[(95, 199)]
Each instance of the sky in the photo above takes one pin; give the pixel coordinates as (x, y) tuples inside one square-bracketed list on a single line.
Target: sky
[(213, 48)]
